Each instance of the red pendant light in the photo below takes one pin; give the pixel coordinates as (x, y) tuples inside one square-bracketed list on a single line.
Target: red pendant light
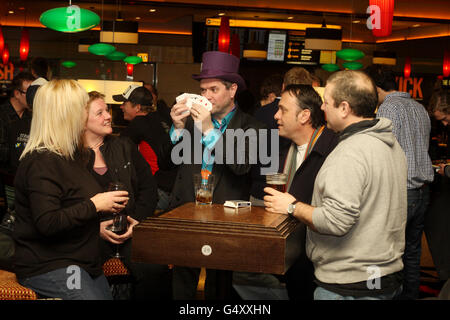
[(224, 34), (446, 64), (130, 69), (2, 41), (24, 45), (235, 45), (386, 14), (407, 69), (5, 55)]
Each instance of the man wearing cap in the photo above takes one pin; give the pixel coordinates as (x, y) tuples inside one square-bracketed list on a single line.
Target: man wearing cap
[(146, 129), (219, 83)]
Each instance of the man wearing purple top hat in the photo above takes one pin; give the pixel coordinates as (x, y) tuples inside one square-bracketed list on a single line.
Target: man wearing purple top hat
[(219, 83)]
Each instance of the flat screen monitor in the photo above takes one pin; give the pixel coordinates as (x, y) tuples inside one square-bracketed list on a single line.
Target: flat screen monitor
[(276, 46)]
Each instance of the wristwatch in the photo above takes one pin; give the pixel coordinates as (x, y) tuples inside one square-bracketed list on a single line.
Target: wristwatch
[(291, 208)]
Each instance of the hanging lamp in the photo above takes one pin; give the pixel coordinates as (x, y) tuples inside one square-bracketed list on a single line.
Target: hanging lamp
[(446, 64), (24, 45), (133, 59), (68, 64), (224, 34), (352, 65), (384, 11), (69, 19), (2, 40), (101, 49), (349, 54), (5, 55), (116, 56), (407, 68), (331, 67), (130, 68)]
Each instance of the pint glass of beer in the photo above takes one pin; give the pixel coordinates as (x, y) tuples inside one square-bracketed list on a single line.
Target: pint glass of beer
[(277, 181), (203, 189)]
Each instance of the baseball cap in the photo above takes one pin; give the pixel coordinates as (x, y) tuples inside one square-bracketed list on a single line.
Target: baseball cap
[(135, 94)]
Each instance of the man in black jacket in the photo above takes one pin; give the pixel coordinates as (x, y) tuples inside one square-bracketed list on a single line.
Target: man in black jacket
[(219, 83)]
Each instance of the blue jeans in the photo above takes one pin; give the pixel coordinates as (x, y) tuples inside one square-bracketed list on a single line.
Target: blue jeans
[(418, 200), (324, 294), (71, 283)]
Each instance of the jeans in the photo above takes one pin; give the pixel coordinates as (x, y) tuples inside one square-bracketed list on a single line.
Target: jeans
[(259, 286), (324, 294), (71, 283), (418, 200)]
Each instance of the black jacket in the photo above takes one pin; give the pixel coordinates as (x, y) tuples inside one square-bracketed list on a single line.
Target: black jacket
[(151, 129), (127, 165), (56, 222), (232, 181)]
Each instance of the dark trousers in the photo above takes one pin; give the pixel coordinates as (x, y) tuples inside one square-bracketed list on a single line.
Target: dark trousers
[(418, 200)]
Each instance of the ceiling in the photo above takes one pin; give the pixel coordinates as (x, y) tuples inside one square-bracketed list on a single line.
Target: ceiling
[(413, 19)]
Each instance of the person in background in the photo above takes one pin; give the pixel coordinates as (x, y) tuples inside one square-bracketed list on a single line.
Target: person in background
[(40, 69), (112, 159), (357, 217), (270, 89), (15, 121), (437, 219), (58, 201), (440, 109), (147, 131), (161, 107), (411, 126)]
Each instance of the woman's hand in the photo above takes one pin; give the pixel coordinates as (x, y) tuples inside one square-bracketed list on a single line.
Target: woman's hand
[(111, 201), (276, 201), (110, 236)]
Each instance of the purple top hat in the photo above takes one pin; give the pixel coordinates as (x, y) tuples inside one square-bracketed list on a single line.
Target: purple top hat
[(220, 65)]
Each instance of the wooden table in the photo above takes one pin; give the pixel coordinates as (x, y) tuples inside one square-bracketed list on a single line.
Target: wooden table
[(216, 237)]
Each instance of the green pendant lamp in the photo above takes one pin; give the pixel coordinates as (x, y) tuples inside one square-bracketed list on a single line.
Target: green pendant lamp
[(101, 49), (133, 59), (352, 65), (69, 19), (116, 56), (350, 54), (331, 67), (68, 64)]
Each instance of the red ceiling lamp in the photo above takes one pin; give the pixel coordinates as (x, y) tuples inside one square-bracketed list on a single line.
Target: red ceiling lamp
[(24, 45), (224, 34), (385, 14), (2, 41), (130, 69), (235, 45), (5, 55), (407, 68), (446, 64)]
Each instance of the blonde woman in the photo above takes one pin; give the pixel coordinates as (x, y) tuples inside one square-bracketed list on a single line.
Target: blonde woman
[(58, 201)]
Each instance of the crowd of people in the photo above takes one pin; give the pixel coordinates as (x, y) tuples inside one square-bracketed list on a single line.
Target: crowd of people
[(356, 160)]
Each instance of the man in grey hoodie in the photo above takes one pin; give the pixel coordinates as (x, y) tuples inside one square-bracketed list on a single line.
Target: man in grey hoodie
[(357, 217)]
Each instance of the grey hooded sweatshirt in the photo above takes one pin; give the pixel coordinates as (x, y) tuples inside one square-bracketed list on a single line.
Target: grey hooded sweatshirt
[(360, 208)]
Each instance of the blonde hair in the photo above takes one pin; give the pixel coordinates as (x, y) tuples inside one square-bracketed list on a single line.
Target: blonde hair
[(297, 75), (59, 117)]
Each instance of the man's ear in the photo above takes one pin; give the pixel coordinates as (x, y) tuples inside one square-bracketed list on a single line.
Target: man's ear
[(345, 109), (138, 107), (233, 90), (304, 116)]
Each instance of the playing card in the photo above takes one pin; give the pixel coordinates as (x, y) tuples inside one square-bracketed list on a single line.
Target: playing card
[(194, 98)]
